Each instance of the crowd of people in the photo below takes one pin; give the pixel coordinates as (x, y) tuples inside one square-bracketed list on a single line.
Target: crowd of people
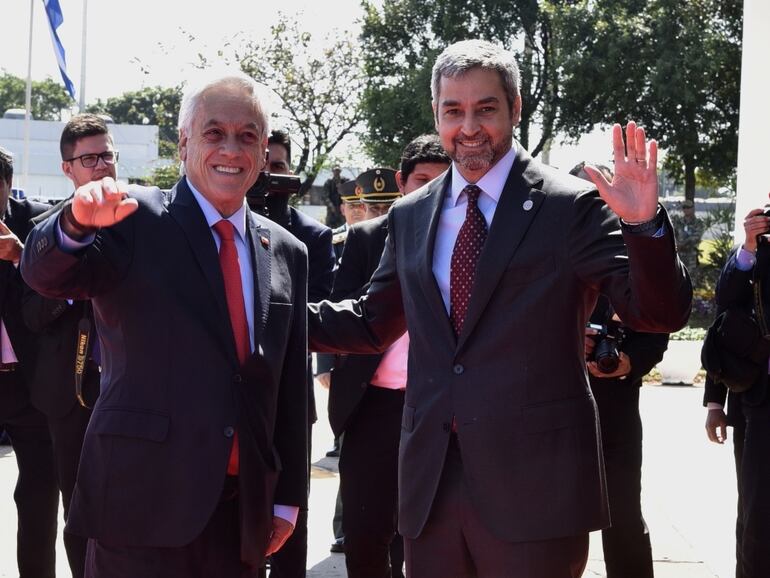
[(156, 367)]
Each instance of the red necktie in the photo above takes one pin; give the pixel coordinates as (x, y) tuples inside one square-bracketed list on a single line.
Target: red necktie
[(465, 256), (231, 272)]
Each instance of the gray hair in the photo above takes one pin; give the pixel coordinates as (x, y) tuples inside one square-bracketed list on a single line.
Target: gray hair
[(235, 79), (6, 165), (460, 57)]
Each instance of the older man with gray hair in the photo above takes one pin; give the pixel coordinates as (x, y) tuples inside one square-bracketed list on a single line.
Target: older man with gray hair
[(500, 468), (194, 462)]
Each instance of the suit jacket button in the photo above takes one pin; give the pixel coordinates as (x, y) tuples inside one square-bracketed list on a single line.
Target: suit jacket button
[(458, 369), (237, 378), (229, 431)]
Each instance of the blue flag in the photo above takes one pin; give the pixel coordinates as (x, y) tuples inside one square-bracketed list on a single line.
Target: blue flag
[(55, 19)]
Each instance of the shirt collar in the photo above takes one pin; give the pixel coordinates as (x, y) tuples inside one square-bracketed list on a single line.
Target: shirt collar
[(238, 218), (491, 183)]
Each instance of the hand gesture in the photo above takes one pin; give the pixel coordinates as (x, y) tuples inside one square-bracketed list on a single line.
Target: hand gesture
[(633, 193), (102, 204), (754, 224), (282, 529), (10, 245)]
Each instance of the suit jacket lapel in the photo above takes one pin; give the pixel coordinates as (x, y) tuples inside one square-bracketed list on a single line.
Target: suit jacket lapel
[(429, 211), (185, 211), (511, 222), (259, 237)]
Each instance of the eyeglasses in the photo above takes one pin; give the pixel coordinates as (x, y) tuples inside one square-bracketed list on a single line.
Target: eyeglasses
[(90, 160)]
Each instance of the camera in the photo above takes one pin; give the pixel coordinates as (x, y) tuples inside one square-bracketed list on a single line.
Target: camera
[(609, 340), (269, 196)]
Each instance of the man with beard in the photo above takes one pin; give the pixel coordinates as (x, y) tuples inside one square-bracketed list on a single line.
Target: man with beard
[(494, 268)]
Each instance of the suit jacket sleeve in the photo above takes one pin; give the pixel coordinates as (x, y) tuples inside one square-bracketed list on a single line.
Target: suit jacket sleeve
[(368, 324), (83, 275), (39, 312), (291, 418), (321, 266), (642, 276), (644, 350)]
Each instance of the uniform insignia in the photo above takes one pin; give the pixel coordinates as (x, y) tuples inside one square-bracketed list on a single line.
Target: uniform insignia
[(265, 241)]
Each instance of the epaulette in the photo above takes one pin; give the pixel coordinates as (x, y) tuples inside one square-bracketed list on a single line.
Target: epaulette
[(339, 237)]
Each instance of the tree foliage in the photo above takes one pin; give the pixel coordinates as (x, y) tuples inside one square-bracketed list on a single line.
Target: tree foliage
[(673, 66), (319, 90), (401, 41), (49, 98), (151, 105)]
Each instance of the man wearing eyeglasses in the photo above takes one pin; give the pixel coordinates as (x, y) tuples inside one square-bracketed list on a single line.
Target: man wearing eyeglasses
[(88, 154)]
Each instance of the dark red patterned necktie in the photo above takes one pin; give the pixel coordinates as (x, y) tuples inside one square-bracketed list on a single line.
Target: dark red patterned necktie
[(231, 272), (465, 257)]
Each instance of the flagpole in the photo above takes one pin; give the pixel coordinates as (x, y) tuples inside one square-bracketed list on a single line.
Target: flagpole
[(82, 102), (28, 101)]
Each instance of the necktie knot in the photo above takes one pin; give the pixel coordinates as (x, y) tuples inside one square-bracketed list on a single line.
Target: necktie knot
[(472, 192), (225, 230)]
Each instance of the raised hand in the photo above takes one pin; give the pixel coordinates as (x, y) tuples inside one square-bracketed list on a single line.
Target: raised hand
[(754, 224), (10, 245), (633, 192), (101, 204)]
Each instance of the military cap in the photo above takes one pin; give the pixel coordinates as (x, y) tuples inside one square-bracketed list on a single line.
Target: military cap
[(348, 191), (378, 186)]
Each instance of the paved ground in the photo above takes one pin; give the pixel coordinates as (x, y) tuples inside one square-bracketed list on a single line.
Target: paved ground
[(689, 495)]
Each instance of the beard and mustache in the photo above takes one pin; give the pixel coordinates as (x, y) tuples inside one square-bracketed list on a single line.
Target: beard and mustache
[(481, 157)]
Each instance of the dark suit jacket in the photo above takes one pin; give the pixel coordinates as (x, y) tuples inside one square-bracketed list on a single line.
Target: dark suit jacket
[(157, 446), (17, 218), (515, 377), (55, 324), (321, 260), (352, 373)]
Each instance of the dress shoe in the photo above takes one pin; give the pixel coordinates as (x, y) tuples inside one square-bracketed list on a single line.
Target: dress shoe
[(338, 546)]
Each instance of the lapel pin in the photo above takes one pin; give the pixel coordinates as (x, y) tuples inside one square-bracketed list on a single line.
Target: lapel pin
[(265, 242), (528, 204)]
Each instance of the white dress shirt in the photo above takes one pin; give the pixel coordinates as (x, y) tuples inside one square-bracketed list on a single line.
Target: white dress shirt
[(453, 215)]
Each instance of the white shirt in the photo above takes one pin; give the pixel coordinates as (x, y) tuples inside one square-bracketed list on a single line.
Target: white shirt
[(453, 215)]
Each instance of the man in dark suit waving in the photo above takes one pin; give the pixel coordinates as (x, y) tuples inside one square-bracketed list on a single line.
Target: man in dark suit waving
[(500, 467), (194, 462)]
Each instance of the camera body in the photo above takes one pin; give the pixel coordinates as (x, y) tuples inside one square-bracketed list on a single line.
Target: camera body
[(609, 341), (269, 196)]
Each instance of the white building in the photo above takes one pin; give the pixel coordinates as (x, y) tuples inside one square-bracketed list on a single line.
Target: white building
[(137, 144)]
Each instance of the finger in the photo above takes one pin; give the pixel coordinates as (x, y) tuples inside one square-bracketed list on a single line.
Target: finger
[(618, 148), (641, 146), (599, 180), (652, 162), (125, 208), (712, 434), (754, 213), (110, 191), (722, 433), (631, 141)]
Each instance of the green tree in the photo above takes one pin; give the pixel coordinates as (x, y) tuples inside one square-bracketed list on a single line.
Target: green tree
[(672, 66), (49, 98), (400, 41), (164, 177), (151, 105), (319, 88)]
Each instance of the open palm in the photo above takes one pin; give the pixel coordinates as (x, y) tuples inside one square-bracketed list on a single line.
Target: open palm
[(633, 192)]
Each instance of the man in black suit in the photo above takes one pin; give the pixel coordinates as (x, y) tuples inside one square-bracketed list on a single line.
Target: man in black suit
[(88, 154), (36, 494), (500, 465), (195, 459), (291, 560), (366, 396)]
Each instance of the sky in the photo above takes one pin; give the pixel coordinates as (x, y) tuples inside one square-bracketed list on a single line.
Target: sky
[(136, 43)]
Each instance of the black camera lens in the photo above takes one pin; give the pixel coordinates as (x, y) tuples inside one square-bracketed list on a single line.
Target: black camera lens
[(606, 355)]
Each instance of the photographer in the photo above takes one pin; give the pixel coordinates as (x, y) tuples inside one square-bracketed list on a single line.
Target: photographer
[(736, 289), (627, 551)]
